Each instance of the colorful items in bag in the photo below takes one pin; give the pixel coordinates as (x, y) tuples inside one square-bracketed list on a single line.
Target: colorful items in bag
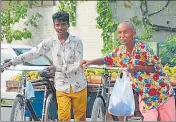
[(122, 99)]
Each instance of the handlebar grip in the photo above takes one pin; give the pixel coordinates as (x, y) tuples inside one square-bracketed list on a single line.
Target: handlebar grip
[(7, 60), (121, 75), (4, 66), (6, 63)]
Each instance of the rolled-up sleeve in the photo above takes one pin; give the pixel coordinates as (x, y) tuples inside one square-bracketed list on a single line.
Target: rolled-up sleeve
[(153, 59), (109, 59)]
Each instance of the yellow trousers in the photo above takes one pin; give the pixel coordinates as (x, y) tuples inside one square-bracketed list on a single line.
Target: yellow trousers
[(77, 100)]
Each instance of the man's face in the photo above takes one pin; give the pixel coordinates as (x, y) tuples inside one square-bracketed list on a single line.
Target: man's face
[(125, 34), (61, 27)]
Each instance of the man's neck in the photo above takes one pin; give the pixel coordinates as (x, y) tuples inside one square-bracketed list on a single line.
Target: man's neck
[(63, 38), (129, 47)]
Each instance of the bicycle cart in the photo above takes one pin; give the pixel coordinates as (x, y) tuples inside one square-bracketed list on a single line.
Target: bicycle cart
[(23, 105), (100, 106)]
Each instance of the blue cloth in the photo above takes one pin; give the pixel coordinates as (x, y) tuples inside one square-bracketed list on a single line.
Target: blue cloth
[(29, 90)]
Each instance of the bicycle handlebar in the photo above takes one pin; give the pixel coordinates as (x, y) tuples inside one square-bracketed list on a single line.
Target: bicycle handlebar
[(16, 68), (43, 72), (107, 68), (3, 67)]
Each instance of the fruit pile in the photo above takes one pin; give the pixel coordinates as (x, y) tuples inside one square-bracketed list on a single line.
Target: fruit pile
[(99, 72), (90, 72), (31, 75), (171, 71), (94, 76), (17, 78), (15, 83)]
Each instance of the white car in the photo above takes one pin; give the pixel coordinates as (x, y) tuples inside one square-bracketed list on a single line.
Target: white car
[(9, 51)]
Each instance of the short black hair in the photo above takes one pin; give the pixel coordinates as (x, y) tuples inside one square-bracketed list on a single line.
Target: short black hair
[(61, 15)]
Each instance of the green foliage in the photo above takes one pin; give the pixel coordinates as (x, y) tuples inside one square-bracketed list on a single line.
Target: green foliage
[(108, 26), (34, 20), (70, 7), (145, 30), (16, 11), (6, 102), (168, 51)]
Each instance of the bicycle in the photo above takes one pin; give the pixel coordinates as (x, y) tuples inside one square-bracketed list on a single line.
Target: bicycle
[(100, 106), (21, 101)]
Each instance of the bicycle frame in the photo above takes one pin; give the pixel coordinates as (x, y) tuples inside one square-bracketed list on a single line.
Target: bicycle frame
[(27, 102), (31, 109), (105, 94)]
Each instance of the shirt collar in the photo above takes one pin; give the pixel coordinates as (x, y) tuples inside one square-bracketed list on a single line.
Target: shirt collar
[(135, 43), (68, 39)]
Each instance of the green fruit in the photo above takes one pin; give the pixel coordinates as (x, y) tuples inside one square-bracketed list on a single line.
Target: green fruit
[(114, 74), (174, 75)]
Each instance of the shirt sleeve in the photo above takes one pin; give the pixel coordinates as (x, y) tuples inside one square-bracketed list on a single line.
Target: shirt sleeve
[(40, 50), (153, 59), (78, 54), (110, 58)]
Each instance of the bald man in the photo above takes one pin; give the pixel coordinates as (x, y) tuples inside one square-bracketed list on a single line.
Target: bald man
[(156, 95)]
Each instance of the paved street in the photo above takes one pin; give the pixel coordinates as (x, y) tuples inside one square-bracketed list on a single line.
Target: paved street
[(5, 113)]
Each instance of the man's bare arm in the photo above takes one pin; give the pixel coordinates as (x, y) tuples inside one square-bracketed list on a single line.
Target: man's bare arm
[(145, 68), (136, 68), (97, 61)]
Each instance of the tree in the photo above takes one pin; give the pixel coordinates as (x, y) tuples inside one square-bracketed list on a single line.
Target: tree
[(16, 11), (168, 51)]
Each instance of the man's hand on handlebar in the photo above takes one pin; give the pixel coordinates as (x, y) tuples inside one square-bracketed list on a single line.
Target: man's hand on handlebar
[(6, 63), (84, 63), (132, 69), (52, 70)]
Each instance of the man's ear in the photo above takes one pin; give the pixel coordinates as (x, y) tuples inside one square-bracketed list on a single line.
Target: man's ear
[(134, 33), (53, 25)]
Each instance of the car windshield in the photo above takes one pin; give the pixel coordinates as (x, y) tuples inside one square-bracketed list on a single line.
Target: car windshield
[(41, 61), (5, 54)]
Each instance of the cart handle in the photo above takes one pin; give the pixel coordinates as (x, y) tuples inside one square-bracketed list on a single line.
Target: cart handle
[(107, 68)]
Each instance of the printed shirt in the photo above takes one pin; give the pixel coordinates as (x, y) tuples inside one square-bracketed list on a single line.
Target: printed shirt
[(154, 88), (66, 58)]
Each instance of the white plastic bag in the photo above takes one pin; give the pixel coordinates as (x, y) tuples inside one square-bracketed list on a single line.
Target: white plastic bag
[(121, 101)]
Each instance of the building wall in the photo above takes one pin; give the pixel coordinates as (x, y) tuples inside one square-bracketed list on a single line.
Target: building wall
[(44, 28), (120, 13), (86, 23), (85, 28)]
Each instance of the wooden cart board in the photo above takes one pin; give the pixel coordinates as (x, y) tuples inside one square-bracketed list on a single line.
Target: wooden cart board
[(15, 86), (173, 81), (98, 79), (95, 81)]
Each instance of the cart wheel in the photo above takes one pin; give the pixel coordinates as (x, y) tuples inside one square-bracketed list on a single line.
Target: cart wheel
[(17, 112), (99, 110), (51, 109)]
